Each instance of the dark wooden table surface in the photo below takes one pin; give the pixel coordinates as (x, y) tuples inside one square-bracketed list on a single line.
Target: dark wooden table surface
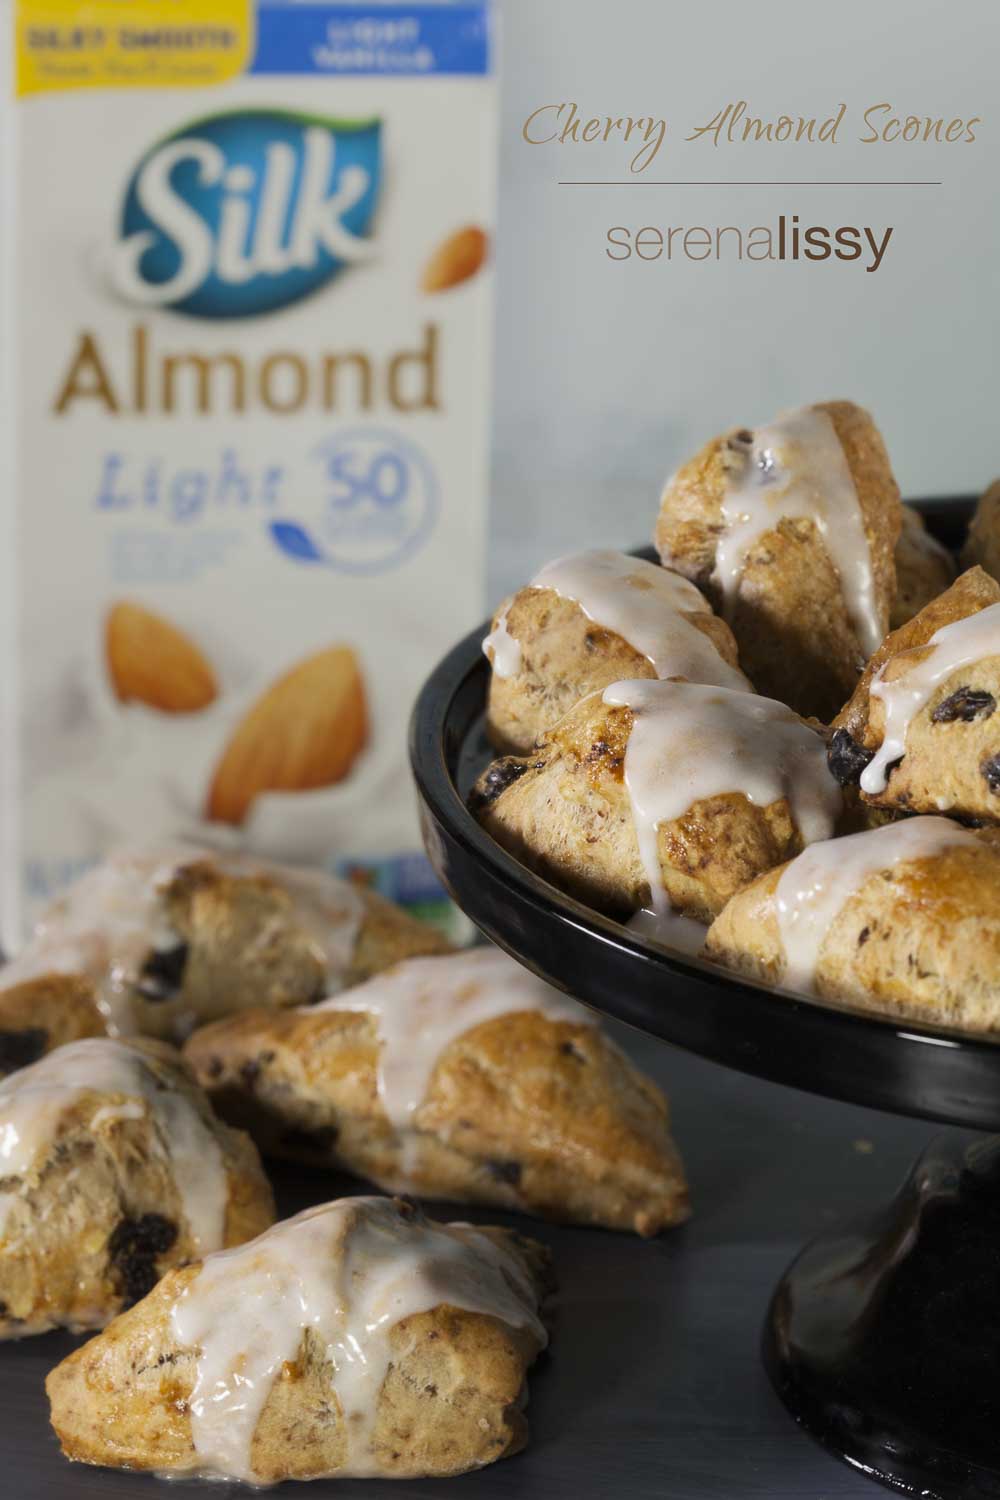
[(653, 1387)]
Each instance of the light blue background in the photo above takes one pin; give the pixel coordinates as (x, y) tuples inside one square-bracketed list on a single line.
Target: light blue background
[(609, 375)]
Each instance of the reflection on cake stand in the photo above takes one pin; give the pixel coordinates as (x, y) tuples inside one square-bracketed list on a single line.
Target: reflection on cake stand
[(884, 1341)]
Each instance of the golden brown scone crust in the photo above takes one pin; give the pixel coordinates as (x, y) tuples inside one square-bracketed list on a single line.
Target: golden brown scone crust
[(795, 637), (942, 769), (564, 657), (982, 544), (39, 1014), (240, 942), (523, 1112), (102, 1216), (924, 569), (920, 940), (564, 811), (451, 1401)]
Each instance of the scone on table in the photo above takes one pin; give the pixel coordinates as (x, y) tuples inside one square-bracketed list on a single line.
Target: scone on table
[(158, 940), (463, 1078), (921, 733), (668, 796), (591, 619), (113, 1168), (358, 1339), (903, 920), (791, 529)]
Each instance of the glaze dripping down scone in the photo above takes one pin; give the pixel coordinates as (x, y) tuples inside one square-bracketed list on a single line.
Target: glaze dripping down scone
[(358, 1339), (461, 1078), (667, 795), (589, 620), (982, 545), (113, 1168), (924, 569), (903, 920), (791, 529), (921, 732), (157, 940)]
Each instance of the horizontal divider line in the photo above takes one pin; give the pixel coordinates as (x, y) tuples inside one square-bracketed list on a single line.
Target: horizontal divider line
[(695, 182)]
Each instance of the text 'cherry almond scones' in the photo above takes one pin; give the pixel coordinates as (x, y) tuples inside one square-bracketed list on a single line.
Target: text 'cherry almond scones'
[(792, 530), (667, 795), (591, 619), (112, 1169), (464, 1078), (921, 732), (903, 920), (358, 1339), (157, 940)]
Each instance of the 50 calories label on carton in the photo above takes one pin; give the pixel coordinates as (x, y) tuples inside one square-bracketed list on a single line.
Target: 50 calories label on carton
[(252, 408)]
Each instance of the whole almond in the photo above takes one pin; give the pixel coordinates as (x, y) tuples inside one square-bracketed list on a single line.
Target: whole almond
[(151, 661), (455, 259), (305, 731)]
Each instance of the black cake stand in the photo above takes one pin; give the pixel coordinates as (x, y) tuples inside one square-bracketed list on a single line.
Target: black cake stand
[(883, 1342)]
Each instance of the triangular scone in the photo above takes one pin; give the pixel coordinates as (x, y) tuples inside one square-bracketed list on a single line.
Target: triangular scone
[(158, 940), (924, 569), (112, 1169), (922, 731), (358, 1339), (462, 1078), (903, 920), (591, 619), (791, 529), (655, 793)]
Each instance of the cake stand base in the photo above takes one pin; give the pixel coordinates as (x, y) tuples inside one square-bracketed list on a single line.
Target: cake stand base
[(884, 1341)]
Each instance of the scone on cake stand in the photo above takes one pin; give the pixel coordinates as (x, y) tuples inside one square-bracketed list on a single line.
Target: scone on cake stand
[(880, 1340)]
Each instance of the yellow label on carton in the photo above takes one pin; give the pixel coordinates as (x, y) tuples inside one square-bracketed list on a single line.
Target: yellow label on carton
[(124, 44)]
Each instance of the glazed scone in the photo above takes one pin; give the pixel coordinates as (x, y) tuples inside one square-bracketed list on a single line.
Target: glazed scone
[(982, 545), (358, 1339), (924, 569), (663, 795), (587, 621), (921, 733), (792, 531), (903, 920), (40, 1013), (461, 1078), (158, 940), (113, 1168)]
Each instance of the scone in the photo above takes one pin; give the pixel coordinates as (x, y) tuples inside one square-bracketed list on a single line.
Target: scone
[(924, 569), (982, 545), (904, 920), (358, 1339), (921, 732), (792, 531), (587, 621), (41, 1012), (114, 1169), (158, 940), (662, 794), (462, 1078)]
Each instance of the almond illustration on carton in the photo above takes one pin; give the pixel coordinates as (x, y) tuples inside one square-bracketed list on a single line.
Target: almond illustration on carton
[(151, 661), (455, 259), (306, 731)]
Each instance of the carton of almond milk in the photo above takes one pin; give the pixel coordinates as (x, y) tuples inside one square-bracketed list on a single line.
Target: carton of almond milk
[(247, 351)]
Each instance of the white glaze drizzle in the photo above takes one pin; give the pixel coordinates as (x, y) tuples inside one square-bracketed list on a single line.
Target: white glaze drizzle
[(105, 926), (34, 1099), (796, 467), (814, 888), (347, 1272), (423, 1004), (506, 657), (644, 604), (954, 646), (668, 929), (689, 742)]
